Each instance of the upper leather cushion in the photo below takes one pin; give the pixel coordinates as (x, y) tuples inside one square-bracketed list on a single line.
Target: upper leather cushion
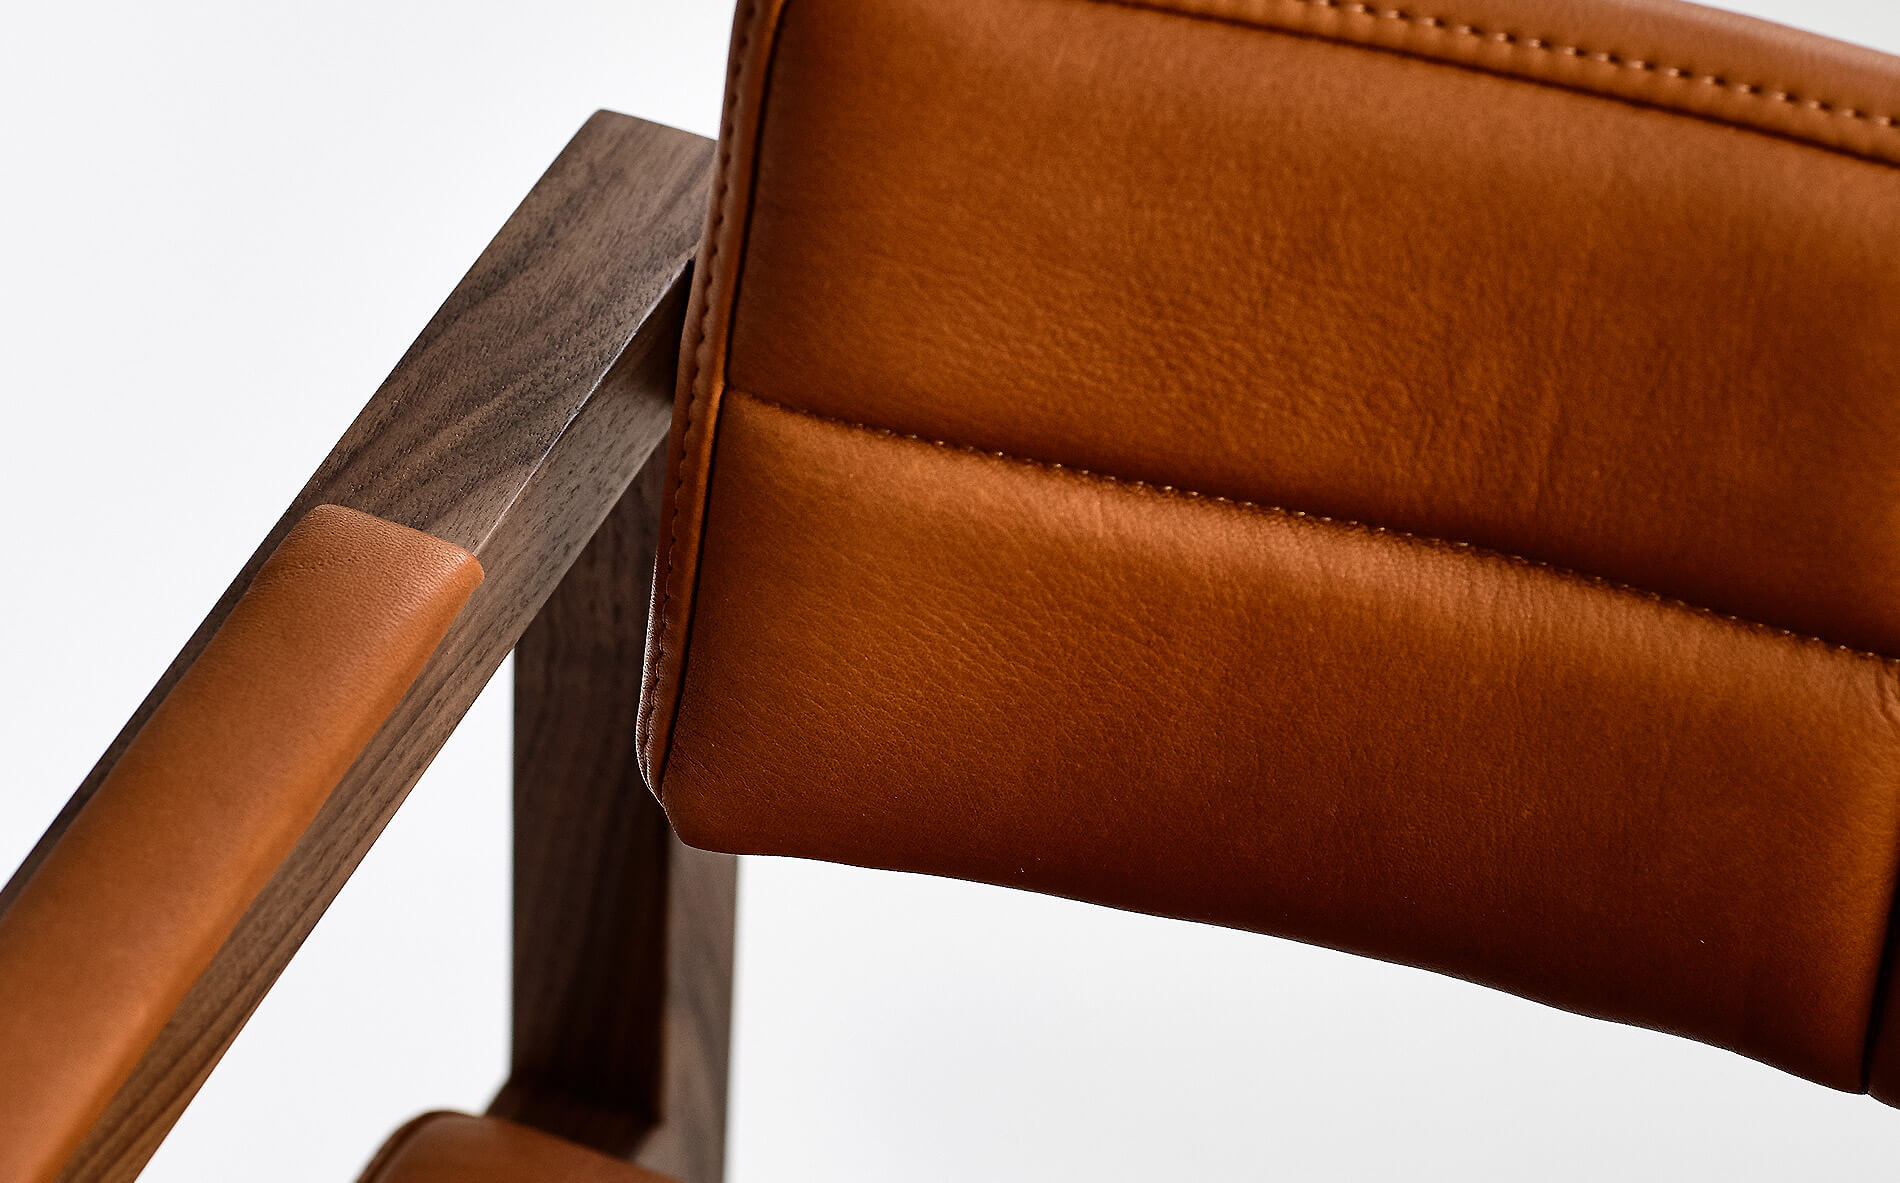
[(1601, 291)]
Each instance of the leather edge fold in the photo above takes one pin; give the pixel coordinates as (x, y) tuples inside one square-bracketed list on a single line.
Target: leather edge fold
[(701, 379)]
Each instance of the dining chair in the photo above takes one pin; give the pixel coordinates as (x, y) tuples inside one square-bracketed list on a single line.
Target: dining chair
[(1416, 479)]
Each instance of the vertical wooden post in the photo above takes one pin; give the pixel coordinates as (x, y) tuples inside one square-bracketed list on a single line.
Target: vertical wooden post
[(623, 936)]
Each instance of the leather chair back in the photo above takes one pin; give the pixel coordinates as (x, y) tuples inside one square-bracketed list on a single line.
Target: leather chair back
[(1421, 481)]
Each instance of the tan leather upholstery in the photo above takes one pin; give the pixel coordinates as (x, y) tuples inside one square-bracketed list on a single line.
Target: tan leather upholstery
[(1421, 482), (160, 864), (457, 1148)]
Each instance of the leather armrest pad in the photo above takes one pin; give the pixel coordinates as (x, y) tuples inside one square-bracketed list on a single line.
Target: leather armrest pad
[(447, 1147), (158, 867)]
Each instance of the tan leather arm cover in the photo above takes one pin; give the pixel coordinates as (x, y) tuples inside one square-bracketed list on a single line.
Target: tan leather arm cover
[(161, 863)]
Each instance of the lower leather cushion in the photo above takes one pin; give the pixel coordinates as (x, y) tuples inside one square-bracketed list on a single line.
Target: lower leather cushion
[(1411, 749), (457, 1148)]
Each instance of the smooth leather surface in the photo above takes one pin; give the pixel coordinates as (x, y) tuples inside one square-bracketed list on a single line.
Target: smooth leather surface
[(160, 864), (457, 1148), (1428, 754), (1608, 286), (1650, 347)]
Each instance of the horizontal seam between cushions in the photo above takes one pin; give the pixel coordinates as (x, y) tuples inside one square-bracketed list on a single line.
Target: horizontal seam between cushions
[(1447, 544), (1521, 43)]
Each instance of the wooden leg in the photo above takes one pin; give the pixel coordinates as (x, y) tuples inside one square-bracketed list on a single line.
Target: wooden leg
[(623, 937)]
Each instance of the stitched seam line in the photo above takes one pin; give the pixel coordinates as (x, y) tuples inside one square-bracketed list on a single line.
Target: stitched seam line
[(700, 334), (1278, 511), (1545, 46)]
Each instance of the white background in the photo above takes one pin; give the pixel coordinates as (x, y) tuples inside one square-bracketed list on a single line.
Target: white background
[(223, 222)]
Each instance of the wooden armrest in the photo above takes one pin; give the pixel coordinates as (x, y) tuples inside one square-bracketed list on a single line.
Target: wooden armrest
[(508, 430)]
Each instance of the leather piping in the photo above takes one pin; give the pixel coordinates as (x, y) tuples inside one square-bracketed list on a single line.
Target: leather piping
[(1371, 17), (1544, 48)]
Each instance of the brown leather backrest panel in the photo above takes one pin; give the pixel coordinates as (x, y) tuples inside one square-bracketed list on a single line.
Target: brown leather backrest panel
[(158, 867), (1566, 297)]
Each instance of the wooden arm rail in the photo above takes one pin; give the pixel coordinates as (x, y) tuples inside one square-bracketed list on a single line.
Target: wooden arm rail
[(510, 429)]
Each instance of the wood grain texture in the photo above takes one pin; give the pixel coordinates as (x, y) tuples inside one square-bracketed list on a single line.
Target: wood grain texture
[(510, 428), (689, 1143), (623, 937)]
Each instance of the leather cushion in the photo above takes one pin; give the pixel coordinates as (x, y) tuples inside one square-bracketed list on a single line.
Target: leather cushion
[(456, 1148), (157, 868), (1586, 310)]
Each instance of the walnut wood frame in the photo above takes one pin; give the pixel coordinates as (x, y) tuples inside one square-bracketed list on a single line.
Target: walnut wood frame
[(623, 936), (512, 428)]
